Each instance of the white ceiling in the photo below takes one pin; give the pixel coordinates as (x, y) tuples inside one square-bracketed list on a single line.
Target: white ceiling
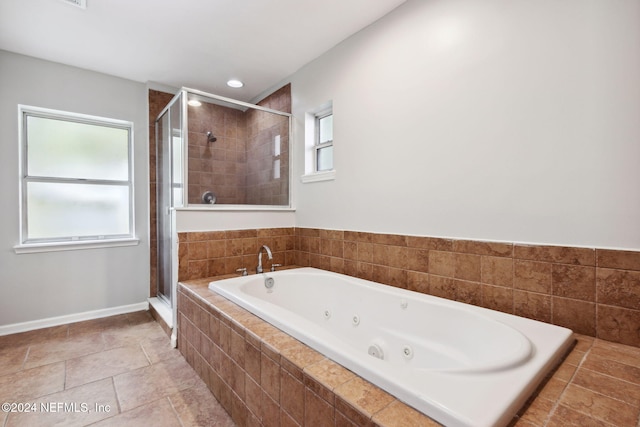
[(194, 43)]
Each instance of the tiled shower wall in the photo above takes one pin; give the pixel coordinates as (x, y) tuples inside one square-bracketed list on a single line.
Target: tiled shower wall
[(219, 166), (239, 166), (595, 292), (268, 168)]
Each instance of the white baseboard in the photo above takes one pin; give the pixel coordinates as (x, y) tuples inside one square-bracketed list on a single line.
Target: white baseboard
[(71, 318)]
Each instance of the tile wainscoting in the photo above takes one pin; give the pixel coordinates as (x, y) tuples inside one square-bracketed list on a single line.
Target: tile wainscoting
[(592, 291)]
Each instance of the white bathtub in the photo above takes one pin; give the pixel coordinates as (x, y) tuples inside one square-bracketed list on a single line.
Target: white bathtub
[(459, 364)]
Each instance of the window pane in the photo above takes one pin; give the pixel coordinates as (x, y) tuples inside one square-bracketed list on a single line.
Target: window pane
[(325, 158), (64, 149), (325, 125), (57, 210)]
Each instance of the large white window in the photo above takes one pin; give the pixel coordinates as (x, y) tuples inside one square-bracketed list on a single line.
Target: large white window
[(76, 179)]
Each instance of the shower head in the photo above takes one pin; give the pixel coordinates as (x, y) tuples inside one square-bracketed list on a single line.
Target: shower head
[(210, 137)]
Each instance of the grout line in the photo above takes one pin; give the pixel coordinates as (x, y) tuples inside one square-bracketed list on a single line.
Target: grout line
[(564, 390), (173, 408), (115, 391), (570, 382), (145, 354), (26, 357)]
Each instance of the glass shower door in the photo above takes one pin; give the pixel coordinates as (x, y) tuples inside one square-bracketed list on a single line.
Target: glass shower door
[(169, 188)]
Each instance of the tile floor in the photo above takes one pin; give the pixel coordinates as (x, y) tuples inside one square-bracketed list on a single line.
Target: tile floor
[(115, 371)]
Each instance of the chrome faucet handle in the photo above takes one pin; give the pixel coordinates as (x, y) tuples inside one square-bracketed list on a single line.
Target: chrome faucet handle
[(242, 270), (273, 266)]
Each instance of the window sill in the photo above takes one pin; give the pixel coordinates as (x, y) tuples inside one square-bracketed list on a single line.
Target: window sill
[(319, 176), (237, 208), (29, 248)]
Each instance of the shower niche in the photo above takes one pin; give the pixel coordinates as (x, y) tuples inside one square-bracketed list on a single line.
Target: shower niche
[(227, 153)]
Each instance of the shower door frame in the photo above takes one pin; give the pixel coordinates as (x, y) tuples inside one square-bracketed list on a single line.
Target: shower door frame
[(166, 267)]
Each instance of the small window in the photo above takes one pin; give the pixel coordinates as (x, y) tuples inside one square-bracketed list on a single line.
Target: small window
[(324, 142), (77, 177)]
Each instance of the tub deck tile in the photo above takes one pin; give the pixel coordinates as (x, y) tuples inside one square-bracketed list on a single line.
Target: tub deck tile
[(599, 406), (300, 356), (328, 373), (596, 384), (360, 400)]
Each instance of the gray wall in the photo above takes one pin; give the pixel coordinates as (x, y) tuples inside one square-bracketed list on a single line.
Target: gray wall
[(492, 120), (43, 285)]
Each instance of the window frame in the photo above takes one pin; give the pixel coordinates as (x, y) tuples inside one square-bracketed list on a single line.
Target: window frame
[(317, 146), (312, 145), (28, 245)]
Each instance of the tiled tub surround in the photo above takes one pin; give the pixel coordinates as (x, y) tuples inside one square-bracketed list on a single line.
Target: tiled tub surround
[(263, 377), (212, 253), (594, 292), (441, 357)]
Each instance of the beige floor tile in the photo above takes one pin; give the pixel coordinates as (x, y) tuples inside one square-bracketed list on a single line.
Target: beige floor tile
[(79, 406), (99, 325), (12, 358), (132, 334), (197, 407), (95, 357), (63, 349), (32, 383), (158, 413), (159, 349), (37, 336), (140, 317), (86, 369), (144, 385)]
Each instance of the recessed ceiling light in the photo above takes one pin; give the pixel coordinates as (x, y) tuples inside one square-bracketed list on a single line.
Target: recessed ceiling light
[(235, 83), (194, 103)]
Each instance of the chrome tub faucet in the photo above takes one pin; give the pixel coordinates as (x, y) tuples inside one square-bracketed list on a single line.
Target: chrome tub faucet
[(269, 254)]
